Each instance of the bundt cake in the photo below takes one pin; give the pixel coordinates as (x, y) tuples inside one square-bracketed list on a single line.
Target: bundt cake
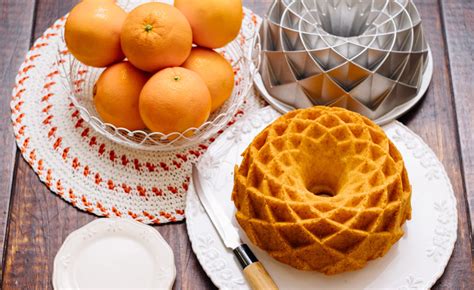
[(322, 189)]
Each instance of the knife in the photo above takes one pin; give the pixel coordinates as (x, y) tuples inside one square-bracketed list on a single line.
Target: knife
[(254, 272)]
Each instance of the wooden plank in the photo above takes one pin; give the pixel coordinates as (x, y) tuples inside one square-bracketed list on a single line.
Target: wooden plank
[(39, 220), (16, 23), (434, 119), (458, 16)]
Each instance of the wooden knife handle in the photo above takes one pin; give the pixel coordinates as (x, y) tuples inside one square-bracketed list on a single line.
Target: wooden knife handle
[(258, 277), (254, 272)]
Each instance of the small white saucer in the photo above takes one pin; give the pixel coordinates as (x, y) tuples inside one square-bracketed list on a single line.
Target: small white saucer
[(114, 253)]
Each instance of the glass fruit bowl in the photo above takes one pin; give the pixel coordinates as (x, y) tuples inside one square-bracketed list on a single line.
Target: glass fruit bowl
[(79, 80)]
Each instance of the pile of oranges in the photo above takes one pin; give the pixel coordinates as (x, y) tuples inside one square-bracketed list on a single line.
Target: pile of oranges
[(155, 77)]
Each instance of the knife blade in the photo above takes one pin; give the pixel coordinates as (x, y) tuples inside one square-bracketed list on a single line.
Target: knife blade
[(227, 231), (254, 271)]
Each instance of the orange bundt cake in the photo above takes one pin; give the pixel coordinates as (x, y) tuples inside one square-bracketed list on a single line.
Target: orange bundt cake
[(322, 189)]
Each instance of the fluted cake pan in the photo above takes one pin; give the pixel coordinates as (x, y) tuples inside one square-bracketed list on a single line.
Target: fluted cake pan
[(369, 56)]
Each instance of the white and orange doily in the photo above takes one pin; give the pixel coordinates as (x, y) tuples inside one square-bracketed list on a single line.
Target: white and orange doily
[(84, 168)]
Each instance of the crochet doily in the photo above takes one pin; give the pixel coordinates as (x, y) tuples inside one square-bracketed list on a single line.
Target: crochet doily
[(86, 169)]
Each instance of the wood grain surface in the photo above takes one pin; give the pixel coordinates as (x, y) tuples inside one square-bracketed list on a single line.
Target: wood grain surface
[(16, 23), (459, 33), (434, 119), (34, 222)]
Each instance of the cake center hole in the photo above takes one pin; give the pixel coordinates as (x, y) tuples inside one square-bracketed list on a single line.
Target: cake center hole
[(323, 191)]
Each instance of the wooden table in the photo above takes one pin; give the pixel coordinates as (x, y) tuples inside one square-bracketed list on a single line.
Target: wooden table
[(34, 222)]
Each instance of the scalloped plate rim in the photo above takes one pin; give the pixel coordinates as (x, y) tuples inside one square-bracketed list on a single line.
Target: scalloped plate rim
[(150, 231), (191, 207)]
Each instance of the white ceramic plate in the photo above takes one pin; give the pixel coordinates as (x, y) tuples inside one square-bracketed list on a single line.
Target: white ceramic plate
[(114, 254), (415, 262)]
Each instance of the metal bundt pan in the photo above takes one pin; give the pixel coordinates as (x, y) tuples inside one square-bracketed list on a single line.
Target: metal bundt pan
[(369, 56)]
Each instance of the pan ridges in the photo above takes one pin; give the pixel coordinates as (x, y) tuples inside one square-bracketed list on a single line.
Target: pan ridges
[(322, 189), (368, 56)]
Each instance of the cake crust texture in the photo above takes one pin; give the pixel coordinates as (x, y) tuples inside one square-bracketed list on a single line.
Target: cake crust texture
[(322, 189)]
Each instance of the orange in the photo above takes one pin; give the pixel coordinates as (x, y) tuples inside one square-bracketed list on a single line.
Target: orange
[(174, 100), (155, 36), (92, 32), (216, 72), (214, 22), (116, 95)]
